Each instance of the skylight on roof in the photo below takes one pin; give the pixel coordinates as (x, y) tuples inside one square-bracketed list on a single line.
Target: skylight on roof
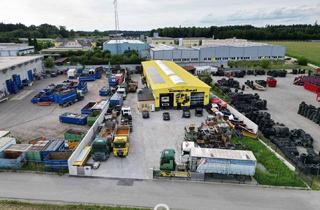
[(165, 68), (176, 79)]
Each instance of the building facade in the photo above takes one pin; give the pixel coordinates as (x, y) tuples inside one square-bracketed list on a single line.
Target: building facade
[(13, 70), (219, 52), (120, 46), (173, 87), (13, 49)]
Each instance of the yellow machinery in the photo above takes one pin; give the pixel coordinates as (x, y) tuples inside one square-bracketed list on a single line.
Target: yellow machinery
[(120, 142), (83, 157)]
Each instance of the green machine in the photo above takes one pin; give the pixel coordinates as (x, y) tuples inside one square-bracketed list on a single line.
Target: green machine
[(167, 160), (101, 149)]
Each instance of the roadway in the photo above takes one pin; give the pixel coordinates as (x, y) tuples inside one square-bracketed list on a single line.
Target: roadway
[(178, 195)]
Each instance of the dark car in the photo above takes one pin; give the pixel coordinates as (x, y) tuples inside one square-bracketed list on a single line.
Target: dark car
[(166, 116), (186, 113), (145, 114), (199, 112), (53, 74)]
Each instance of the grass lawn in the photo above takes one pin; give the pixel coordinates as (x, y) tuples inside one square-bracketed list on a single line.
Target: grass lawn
[(309, 50), (12, 205), (271, 171)]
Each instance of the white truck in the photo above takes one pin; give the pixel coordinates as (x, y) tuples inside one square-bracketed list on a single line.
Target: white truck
[(122, 91)]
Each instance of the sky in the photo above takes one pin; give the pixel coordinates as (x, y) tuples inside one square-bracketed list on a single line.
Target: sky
[(89, 15)]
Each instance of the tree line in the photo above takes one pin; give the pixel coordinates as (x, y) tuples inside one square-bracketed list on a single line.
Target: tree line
[(269, 32)]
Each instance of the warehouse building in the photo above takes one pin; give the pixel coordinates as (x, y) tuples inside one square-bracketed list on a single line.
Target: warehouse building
[(14, 70), (13, 49), (219, 52), (173, 87), (120, 46), (174, 53)]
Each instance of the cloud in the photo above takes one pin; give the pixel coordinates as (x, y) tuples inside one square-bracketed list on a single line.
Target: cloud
[(283, 15)]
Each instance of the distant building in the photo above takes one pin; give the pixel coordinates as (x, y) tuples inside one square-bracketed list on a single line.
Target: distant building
[(120, 46), (161, 40), (13, 49), (218, 51), (65, 45), (13, 70)]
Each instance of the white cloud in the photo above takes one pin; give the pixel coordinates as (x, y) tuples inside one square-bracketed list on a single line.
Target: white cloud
[(148, 14)]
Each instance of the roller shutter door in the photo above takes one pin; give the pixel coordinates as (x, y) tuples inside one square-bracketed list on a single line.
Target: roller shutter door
[(197, 99)]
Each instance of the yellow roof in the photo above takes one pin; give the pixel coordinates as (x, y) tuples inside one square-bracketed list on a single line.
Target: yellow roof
[(167, 74)]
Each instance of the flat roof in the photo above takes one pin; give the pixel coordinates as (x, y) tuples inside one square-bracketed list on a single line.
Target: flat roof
[(222, 154), (231, 43), (167, 74), (161, 47), (14, 46), (130, 41), (8, 62)]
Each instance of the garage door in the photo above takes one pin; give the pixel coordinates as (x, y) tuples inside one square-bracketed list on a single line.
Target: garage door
[(197, 99)]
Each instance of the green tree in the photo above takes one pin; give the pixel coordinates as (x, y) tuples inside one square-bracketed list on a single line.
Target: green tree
[(265, 64), (206, 78), (302, 61), (49, 62)]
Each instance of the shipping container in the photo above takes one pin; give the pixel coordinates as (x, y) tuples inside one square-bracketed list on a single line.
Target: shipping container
[(11, 163), (15, 150), (221, 161), (6, 142), (57, 161), (34, 153), (52, 146), (116, 100)]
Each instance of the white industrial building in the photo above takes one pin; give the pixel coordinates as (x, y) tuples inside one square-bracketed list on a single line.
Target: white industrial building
[(13, 49), (13, 70), (219, 52), (120, 46)]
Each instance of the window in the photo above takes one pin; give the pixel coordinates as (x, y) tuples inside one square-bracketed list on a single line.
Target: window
[(209, 59), (205, 59)]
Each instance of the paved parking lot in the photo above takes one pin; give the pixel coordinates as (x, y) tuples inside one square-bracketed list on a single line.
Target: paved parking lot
[(27, 121), (148, 139), (283, 103)]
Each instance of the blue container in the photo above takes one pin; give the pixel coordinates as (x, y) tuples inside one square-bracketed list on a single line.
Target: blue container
[(116, 100), (65, 97), (53, 146), (57, 161), (9, 84), (87, 109), (105, 91), (30, 75), (112, 80), (76, 119)]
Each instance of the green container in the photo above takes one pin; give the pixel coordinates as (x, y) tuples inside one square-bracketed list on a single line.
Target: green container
[(93, 117), (74, 135), (33, 155)]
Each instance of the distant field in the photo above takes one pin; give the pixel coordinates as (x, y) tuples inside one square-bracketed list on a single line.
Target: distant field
[(309, 50)]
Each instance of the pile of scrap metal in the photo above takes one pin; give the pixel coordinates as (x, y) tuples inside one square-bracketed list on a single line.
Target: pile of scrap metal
[(277, 73), (309, 111), (215, 132), (257, 85)]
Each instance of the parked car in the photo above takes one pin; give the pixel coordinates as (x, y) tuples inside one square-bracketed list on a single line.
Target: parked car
[(199, 112), (186, 113), (53, 74), (145, 114), (166, 116)]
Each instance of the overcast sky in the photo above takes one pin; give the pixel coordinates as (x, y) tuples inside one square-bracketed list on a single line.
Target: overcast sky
[(149, 14)]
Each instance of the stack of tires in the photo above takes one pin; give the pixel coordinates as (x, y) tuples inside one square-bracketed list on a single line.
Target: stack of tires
[(310, 112), (277, 73)]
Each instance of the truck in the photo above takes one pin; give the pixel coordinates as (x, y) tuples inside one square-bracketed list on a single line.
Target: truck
[(120, 142), (116, 100), (122, 91), (101, 149), (126, 117)]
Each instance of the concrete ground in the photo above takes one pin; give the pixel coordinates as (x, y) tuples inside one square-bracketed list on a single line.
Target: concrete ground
[(27, 121), (283, 103), (148, 139), (147, 193)]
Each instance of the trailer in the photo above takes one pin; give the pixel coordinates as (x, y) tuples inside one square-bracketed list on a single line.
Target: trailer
[(222, 161), (71, 118)]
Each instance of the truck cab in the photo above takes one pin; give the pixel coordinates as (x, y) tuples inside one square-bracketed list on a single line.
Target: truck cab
[(126, 111), (120, 146), (122, 91), (101, 149)]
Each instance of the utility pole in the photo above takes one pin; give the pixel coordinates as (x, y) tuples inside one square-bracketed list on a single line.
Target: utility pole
[(117, 26)]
